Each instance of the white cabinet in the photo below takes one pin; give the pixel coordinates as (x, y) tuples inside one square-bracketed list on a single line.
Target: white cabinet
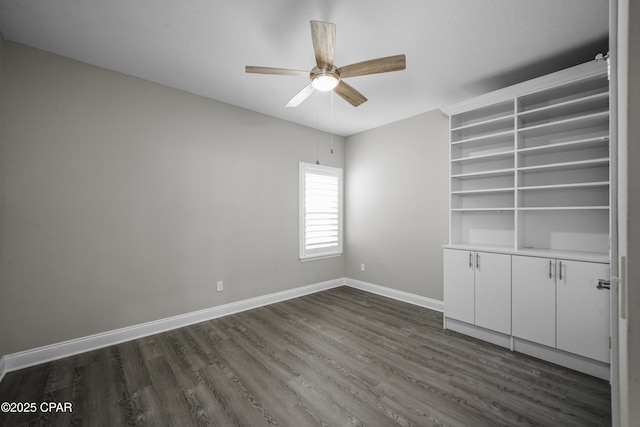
[(556, 303), (459, 285), (534, 299), (478, 288), (582, 310), (493, 291)]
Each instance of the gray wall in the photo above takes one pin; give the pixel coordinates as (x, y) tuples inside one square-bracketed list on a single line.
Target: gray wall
[(124, 201), (396, 218)]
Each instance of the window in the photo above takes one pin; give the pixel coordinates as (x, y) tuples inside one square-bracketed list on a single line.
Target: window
[(320, 211)]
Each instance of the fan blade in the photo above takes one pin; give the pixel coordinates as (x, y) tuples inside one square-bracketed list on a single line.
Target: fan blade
[(349, 94), (301, 96), (269, 70), (374, 66), (323, 36)]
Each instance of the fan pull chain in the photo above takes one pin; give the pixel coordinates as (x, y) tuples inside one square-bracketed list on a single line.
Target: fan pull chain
[(331, 122), (317, 130)]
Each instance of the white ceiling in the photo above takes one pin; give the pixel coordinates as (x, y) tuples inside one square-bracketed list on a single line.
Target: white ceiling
[(455, 49)]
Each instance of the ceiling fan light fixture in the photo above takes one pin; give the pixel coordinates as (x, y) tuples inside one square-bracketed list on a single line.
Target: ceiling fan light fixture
[(325, 82)]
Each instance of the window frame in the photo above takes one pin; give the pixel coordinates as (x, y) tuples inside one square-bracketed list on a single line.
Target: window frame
[(319, 253)]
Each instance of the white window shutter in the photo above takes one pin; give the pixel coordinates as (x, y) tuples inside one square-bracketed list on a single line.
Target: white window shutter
[(320, 211)]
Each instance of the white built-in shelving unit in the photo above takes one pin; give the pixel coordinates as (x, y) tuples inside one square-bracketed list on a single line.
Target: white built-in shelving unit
[(531, 171), (530, 214)]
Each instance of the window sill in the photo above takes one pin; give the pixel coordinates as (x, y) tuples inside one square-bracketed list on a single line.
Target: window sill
[(319, 257)]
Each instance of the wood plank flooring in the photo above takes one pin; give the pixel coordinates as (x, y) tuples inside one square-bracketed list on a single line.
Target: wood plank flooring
[(335, 358)]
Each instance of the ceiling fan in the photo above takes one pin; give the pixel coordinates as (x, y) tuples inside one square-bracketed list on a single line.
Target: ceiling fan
[(325, 76)]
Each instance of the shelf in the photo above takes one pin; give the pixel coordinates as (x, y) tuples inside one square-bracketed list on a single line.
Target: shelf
[(582, 164), (484, 138), (589, 120), (486, 174), (565, 208), (487, 124), (583, 101), (485, 157), (481, 209), (560, 147), (497, 111), (562, 93), (566, 186), (485, 191), (598, 102)]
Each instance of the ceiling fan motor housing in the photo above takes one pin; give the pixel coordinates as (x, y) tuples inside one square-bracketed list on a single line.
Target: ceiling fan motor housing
[(325, 79)]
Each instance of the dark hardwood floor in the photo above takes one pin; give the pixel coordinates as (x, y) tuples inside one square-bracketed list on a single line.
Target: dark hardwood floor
[(336, 358)]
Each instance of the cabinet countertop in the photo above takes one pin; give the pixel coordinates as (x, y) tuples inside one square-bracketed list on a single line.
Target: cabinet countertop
[(533, 252)]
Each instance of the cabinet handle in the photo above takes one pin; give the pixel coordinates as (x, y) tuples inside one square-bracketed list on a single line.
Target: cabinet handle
[(478, 261), (560, 270), (471, 260), (550, 269)]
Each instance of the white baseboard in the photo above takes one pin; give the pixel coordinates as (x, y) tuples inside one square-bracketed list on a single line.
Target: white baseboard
[(591, 367), (483, 334), (36, 356), (568, 360), (414, 299)]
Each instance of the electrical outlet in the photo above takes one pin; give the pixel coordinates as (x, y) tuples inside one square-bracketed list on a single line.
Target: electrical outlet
[(220, 286), (361, 267)]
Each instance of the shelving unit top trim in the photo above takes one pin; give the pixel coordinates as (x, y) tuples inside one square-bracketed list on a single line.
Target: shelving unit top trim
[(582, 71)]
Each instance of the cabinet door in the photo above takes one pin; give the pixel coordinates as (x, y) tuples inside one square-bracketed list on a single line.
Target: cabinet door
[(583, 310), (493, 291), (534, 299), (458, 285)]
